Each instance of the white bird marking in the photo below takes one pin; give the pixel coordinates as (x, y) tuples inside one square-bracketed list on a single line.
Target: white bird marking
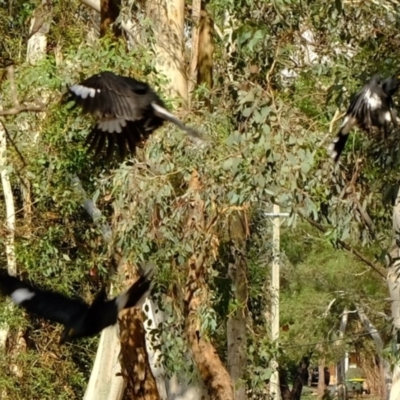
[(163, 111), (348, 124), (21, 295), (112, 125), (82, 91), (373, 100)]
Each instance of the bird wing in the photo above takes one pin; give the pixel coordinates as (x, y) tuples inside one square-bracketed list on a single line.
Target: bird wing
[(107, 95), (44, 303), (360, 111)]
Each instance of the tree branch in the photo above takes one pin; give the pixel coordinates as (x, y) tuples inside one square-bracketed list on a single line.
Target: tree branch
[(346, 246), (20, 109)]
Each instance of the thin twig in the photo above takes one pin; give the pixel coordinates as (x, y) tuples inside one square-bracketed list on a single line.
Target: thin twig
[(14, 145), (345, 246)]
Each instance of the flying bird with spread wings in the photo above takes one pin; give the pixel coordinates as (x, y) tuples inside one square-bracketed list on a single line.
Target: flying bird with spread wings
[(79, 318), (371, 107), (126, 110)]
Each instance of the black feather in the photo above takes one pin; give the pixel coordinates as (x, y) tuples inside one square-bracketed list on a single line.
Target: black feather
[(79, 319), (371, 107), (122, 106)]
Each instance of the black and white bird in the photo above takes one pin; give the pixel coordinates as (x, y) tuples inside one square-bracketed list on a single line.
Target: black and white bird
[(126, 110), (79, 318), (371, 107)]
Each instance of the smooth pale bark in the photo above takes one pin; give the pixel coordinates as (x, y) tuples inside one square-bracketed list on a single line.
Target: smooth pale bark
[(168, 22), (9, 203), (10, 227), (341, 370), (384, 365), (196, 9), (393, 281), (109, 385), (106, 381), (39, 28), (321, 380), (236, 325), (95, 4)]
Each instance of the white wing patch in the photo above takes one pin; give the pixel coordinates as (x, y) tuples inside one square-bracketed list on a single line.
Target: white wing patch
[(21, 295), (83, 91), (373, 100), (112, 125), (347, 124)]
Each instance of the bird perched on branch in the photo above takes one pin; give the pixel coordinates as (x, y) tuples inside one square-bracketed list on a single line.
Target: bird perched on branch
[(126, 110), (79, 318), (371, 107)]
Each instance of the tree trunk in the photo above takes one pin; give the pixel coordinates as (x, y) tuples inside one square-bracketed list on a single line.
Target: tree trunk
[(194, 57), (301, 378), (140, 381), (393, 280), (168, 21), (9, 203), (109, 12), (211, 369), (286, 394), (384, 365), (321, 380), (106, 380), (205, 52), (340, 367), (236, 325)]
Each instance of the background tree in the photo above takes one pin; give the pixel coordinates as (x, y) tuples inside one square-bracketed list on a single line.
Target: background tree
[(281, 71)]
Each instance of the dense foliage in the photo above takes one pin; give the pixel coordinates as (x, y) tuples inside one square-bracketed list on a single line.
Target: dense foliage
[(281, 71)]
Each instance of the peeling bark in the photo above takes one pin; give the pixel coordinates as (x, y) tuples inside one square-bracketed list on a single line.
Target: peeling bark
[(236, 325), (140, 381), (211, 369)]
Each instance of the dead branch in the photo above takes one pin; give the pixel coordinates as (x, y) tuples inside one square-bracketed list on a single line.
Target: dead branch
[(20, 109)]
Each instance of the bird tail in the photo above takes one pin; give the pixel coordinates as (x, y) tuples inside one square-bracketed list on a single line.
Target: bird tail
[(137, 294), (9, 284), (336, 147), (161, 112)]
